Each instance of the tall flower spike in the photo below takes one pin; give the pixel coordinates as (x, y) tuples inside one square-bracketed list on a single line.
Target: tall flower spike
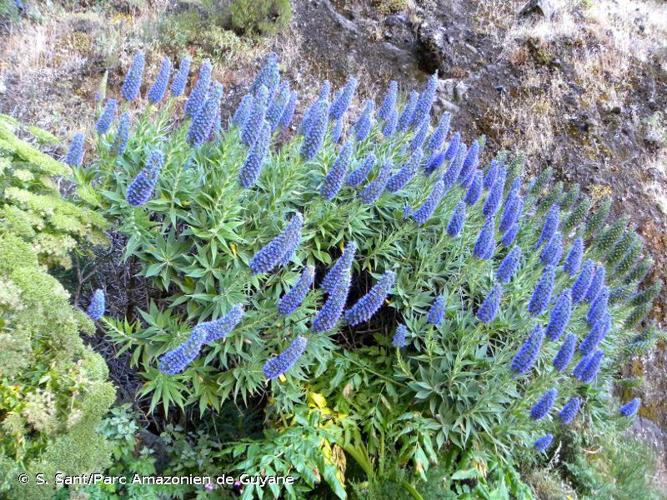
[(317, 127), (141, 188), (491, 174), (542, 293), (399, 339), (437, 311), (277, 105), (159, 87), (343, 265), (281, 364), (253, 124), (360, 174), (510, 235), (74, 157), (530, 350), (426, 209), (266, 259), (243, 111), (220, 328), (408, 112), (486, 242), (106, 118), (596, 335), (475, 189), (332, 310), (542, 444), (492, 202), (552, 251), (288, 112), (336, 175), (543, 406), (134, 77), (202, 124), (574, 256), (630, 409), (389, 102), (511, 213), (181, 77), (570, 410), (598, 307), (550, 225), (454, 169), (470, 162), (509, 265), (564, 356), (197, 96), (434, 162), (581, 366), (420, 136), (592, 367), (406, 173), (488, 311), (560, 315), (291, 301), (122, 135), (390, 123), (252, 166), (597, 282), (425, 101), (453, 147), (364, 124), (337, 131), (376, 187), (97, 305), (583, 281), (439, 135), (369, 304), (343, 99), (178, 359), (457, 220), (267, 74)]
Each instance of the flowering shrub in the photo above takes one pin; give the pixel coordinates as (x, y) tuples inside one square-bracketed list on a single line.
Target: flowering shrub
[(375, 282)]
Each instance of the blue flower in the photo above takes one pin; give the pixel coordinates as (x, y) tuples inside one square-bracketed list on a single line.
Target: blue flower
[(574, 256), (408, 112), (288, 111), (425, 101), (630, 409), (592, 367), (252, 166), (363, 126), (439, 135), (97, 305), (336, 176), (317, 128), (74, 157), (390, 123), (291, 301), (565, 353), (389, 102), (560, 315), (325, 90), (343, 99), (552, 251), (141, 188), (486, 242), (277, 105), (337, 131), (281, 364), (178, 359), (597, 282), (134, 77), (437, 311), (542, 293), (510, 235), (570, 410), (253, 123), (543, 406), (511, 213), (509, 265), (399, 339), (360, 174), (342, 266), (243, 111), (220, 328), (453, 147), (583, 282), (470, 162), (426, 209), (454, 169), (550, 225), (268, 74), (266, 259), (332, 310), (457, 220), (406, 173), (491, 174), (434, 162), (420, 136), (181, 77), (376, 187), (197, 96), (107, 116), (598, 307), (492, 202), (369, 304), (122, 135), (203, 123), (597, 334), (530, 350), (475, 190), (543, 443), (159, 87), (488, 311)]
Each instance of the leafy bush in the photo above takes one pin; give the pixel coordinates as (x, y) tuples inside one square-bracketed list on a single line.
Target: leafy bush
[(443, 289), (53, 388), (264, 17)]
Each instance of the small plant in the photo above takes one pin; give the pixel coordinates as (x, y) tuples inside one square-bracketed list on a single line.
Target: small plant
[(263, 17)]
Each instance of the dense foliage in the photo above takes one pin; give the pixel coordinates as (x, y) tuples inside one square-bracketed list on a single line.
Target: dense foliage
[(380, 291)]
